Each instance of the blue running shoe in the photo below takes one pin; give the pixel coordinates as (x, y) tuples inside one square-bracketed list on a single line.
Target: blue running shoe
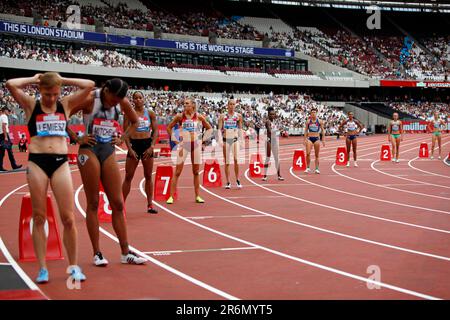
[(42, 276), (76, 274)]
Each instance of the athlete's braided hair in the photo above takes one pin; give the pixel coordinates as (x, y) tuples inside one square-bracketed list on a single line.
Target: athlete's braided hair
[(117, 86)]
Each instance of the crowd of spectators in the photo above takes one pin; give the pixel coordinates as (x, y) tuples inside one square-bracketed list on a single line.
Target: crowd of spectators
[(422, 110), (293, 110), (377, 56), (121, 16)]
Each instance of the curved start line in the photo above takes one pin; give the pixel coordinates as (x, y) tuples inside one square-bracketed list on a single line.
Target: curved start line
[(284, 255)]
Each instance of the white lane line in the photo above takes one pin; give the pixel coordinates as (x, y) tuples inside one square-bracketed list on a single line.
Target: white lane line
[(19, 270), (10, 259), (254, 197), (405, 143), (354, 194), (428, 172), (5, 263), (153, 260), (372, 165), (338, 233), (400, 184), (9, 194), (418, 181), (395, 189), (329, 207), (215, 217), (446, 160), (169, 252), (303, 261), (377, 145)]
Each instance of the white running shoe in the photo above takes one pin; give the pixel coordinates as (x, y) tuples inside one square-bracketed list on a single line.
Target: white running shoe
[(228, 186), (238, 184), (264, 178), (393, 159), (308, 170), (355, 164), (439, 158), (132, 258), (397, 161), (99, 261), (76, 273), (317, 171), (348, 164), (432, 157)]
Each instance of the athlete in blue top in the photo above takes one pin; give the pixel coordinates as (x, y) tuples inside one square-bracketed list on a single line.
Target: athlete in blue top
[(314, 132)]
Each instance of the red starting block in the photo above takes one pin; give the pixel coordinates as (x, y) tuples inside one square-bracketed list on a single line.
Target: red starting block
[(163, 179), (256, 166), (104, 210), (423, 150), (299, 160), (26, 247), (212, 176), (165, 152), (385, 153), (341, 156), (72, 158)]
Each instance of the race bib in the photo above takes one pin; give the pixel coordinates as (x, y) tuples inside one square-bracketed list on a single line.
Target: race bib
[(395, 127), (144, 125), (230, 124), (48, 125), (103, 130), (189, 126), (313, 128)]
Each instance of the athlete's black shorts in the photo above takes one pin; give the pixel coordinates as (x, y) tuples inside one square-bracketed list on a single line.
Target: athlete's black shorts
[(48, 162), (140, 146)]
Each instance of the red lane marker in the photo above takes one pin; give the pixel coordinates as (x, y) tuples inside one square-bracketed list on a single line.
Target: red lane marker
[(341, 156), (26, 247)]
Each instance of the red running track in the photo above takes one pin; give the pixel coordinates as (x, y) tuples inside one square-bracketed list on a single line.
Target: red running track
[(308, 237)]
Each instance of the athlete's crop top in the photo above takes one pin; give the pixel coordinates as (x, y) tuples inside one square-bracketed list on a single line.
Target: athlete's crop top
[(101, 122), (352, 126), (145, 122), (313, 127), (231, 122), (436, 124), (395, 126), (43, 124), (189, 125)]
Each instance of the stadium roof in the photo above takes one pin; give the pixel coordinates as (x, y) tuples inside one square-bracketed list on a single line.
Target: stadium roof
[(392, 5)]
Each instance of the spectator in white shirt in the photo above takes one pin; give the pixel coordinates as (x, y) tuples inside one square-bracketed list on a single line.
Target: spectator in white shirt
[(5, 141)]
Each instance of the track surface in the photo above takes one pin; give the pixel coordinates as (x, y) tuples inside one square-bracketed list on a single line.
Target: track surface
[(308, 237)]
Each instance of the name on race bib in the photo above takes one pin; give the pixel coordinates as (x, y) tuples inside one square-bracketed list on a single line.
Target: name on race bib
[(48, 125), (230, 124), (144, 124), (189, 126), (104, 130)]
